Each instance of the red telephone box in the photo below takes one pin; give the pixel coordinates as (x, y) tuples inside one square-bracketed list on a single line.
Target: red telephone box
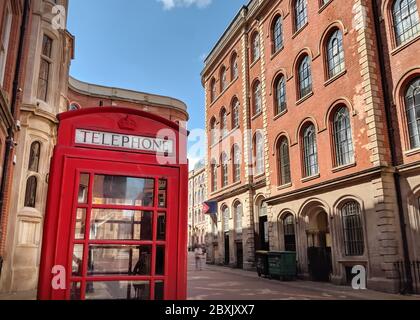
[(116, 218)]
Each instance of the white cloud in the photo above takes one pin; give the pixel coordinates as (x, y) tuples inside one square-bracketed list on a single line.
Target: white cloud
[(170, 4)]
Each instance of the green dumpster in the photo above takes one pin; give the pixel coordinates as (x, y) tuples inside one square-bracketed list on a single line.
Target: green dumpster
[(282, 265), (262, 263)]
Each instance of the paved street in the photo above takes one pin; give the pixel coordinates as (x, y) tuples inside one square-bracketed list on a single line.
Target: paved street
[(221, 283)]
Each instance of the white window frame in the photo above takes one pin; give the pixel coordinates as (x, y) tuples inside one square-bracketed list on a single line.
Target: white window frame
[(5, 41)]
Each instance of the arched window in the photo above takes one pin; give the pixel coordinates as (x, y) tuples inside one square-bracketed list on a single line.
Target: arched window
[(212, 90), (259, 153), (305, 77), (255, 46), (213, 131), (283, 161), (280, 94), (235, 113), (225, 169), (353, 229), (213, 175), (257, 98), (226, 217), (335, 53), (310, 154), (223, 79), (412, 109), (223, 122), (236, 156), (289, 233), (238, 212), (234, 67), (301, 14), (343, 141), (34, 156), (30, 194), (406, 20), (278, 34)]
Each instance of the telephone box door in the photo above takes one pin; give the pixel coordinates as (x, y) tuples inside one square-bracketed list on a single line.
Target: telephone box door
[(118, 231)]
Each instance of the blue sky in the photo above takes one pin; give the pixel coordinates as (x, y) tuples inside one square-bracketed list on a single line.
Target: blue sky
[(154, 46)]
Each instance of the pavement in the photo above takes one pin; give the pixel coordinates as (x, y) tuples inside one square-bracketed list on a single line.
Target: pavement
[(223, 283)]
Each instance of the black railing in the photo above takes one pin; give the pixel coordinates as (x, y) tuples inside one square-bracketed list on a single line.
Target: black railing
[(406, 285)]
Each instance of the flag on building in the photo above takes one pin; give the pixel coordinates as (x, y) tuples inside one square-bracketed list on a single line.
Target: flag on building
[(210, 208)]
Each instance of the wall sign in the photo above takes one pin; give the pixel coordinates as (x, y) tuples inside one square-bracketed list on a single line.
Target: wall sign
[(118, 140)]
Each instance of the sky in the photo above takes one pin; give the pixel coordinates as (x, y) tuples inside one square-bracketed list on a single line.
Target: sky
[(154, 46)]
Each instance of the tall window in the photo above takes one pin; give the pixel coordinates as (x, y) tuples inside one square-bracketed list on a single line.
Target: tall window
[(412, 107), (259, 153), (406, 20), (234, 67), (235, 113), (305, 77), (238, 212), (213, 175), (278, 34), (44, 69), (212, 90), (34, 155), (255, 47), (284, 161), (335, 53), (225, 169), (310, 154), (343, 141), (353, 229), (213, 131), (223, 79), (280, 86), (257, 98), (301, 14), (289, 233), (4, 41), (30, 193), (236, 156), (223, 122), (226, 217)]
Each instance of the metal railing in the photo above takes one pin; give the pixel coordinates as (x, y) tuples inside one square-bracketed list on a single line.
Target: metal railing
[(406, 285)]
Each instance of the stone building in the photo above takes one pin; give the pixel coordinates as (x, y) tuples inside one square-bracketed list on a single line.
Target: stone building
[(313, 136), (197, 192), (47, 90)]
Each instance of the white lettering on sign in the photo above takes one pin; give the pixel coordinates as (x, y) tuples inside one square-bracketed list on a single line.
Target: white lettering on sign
[(117, 140)]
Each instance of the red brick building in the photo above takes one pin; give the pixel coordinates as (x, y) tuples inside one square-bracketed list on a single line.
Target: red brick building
[(316, 101)]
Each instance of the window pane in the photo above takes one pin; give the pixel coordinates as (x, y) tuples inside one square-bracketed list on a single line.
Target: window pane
[(111, 224), (159, 290), (118, 290), (79, 232), (34, 157), (119, 260), (161, 226), (83, 188), (77, 261), (118, 190), (75, 291), (163, 185), (160, 260), (30, 194)]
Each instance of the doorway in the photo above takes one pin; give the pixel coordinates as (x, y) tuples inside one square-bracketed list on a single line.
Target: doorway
[(319, 247), (239, 255), (227, 249)]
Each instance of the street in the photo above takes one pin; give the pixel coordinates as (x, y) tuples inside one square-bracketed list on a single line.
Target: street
[(221, 283)]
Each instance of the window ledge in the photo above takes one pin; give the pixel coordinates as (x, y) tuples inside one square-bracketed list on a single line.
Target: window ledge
[(300, 30), (338, 75), (344, 167), (256, 116), (412, 152), (307, 179), (255, 62), (284, 186), (301, 100), (280, 114), (324, 6), (405, 45), (275, 54), (259, 176)]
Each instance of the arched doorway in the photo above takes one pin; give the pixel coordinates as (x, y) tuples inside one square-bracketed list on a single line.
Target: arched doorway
[(319, 245), (262, 239)]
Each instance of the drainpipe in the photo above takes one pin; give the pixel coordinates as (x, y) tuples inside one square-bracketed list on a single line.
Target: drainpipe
[(10, 143), (388, 105)]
